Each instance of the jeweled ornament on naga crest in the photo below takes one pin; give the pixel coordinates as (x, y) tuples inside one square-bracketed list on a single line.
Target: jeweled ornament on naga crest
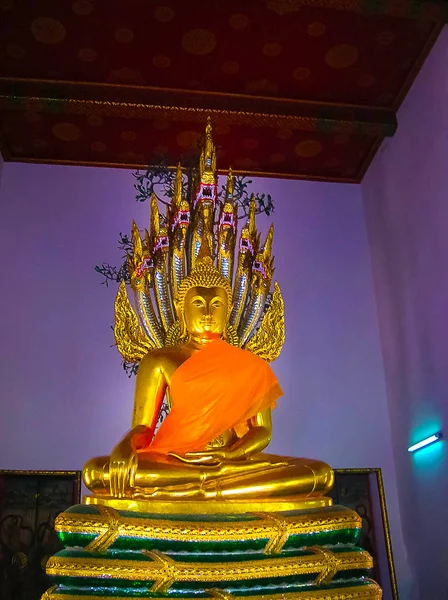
[(196, 508)]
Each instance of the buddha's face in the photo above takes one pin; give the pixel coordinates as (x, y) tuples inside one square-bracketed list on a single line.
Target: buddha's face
[(205, 311)]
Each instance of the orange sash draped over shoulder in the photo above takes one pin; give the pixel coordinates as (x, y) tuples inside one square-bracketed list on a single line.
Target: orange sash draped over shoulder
[(216, 389)]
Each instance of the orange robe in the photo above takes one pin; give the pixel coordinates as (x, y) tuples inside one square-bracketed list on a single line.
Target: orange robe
[(217, 389)]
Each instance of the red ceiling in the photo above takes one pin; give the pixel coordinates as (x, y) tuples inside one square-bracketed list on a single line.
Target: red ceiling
[(295, 87)]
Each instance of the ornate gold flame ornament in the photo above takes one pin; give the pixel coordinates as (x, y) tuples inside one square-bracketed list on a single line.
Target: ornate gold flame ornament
[(195, 508)]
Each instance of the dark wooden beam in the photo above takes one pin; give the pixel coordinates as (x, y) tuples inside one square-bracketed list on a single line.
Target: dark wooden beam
[(109, 100), (429, 10)]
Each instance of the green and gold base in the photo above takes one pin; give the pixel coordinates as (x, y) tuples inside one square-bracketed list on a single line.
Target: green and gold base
[(297, 553)]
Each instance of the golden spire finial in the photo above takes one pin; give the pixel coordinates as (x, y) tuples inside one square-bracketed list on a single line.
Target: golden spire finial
[(136, 243), (207, 165), (177, 192), (229, 188), (154, 220), (267, 248), (208, 128), (252, 211)]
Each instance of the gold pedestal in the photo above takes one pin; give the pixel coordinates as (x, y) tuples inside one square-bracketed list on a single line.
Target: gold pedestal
[(292, 549), (209, 507)]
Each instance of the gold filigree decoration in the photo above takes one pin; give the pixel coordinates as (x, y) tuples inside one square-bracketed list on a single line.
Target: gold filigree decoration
[(107, 537), (107, 108), (131, 342), (332, 565), (168, 567), (48, 595), (369, 591), (270, 337), (163, 571), (266, 527), (280, 535)]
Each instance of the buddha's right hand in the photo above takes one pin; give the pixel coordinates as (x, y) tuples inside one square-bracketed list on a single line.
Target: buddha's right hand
[(120, 465)]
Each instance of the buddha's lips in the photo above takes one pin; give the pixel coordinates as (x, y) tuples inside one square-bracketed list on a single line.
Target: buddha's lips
[(207, 323)]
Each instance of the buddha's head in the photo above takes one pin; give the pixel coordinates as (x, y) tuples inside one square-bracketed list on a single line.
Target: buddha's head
[(204, 302)]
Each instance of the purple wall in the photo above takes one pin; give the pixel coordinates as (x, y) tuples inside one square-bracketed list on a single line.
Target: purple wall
[(1, 170), (406, 205), (64, 397)]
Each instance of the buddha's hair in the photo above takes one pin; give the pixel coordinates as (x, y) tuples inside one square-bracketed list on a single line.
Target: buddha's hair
[(204, 274)]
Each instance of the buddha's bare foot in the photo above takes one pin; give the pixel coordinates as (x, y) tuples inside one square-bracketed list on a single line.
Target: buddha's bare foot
[(144, 493), (236, 468)]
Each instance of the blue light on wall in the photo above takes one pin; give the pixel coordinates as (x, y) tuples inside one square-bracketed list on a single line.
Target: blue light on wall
[(426, 442)]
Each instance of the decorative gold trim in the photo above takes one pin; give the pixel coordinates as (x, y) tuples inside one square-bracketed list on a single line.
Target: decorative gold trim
[(131, 341), (108, 535), (370, 591), (270, 337), (164, 571), (377, 472), (282, 531), (390, 556), (168, 568), (192, 114), (109, 525), (314, 104), (179, 507), (48, 595), (114, 165), (332, 565)]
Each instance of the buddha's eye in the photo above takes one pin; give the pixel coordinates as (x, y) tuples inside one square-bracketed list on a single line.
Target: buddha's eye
[(217, 304), (198, 303)]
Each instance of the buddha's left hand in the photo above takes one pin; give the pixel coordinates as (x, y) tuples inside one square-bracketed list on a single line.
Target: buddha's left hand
[(209, 457)]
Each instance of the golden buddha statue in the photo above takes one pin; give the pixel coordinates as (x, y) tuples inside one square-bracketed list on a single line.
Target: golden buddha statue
[(204, 340), (189, 505)]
